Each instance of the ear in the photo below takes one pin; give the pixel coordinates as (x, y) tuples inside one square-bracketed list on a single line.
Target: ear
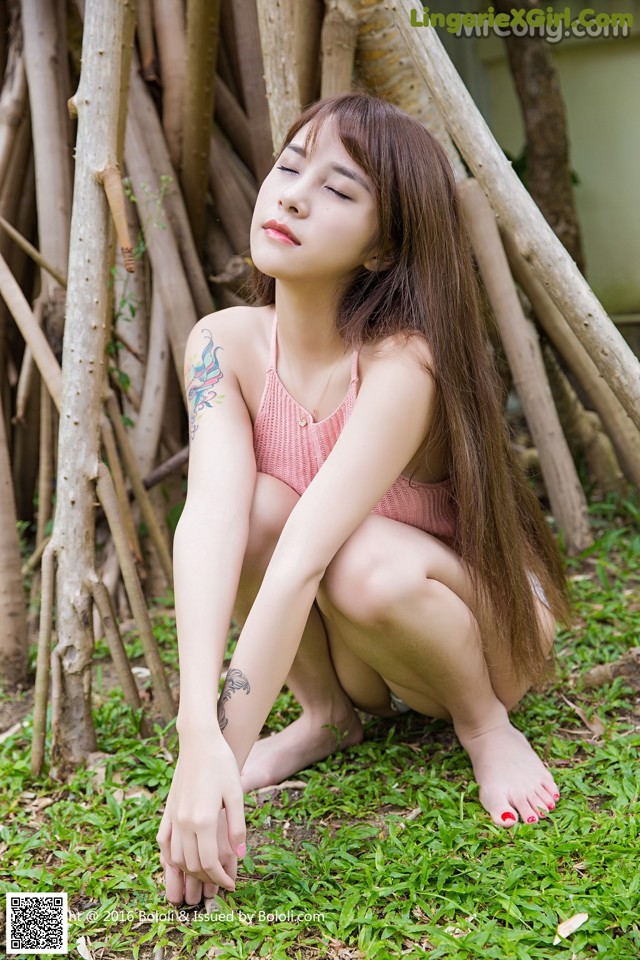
[(378, 262)]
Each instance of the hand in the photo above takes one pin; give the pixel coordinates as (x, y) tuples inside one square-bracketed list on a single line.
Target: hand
[(181, 887), (194, 840)]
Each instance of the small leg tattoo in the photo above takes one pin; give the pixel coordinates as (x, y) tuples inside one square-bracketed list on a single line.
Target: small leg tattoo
[(234, 681)]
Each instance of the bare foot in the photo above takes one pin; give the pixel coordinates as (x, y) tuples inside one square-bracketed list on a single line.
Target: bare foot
[(307, 740), (513, 781)]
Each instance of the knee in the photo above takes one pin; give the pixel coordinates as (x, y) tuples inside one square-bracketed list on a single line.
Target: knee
[(366, 585), (272, 503)]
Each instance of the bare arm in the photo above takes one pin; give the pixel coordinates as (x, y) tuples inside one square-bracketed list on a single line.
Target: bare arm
[(209, 547), (211, 536), (390, 420)]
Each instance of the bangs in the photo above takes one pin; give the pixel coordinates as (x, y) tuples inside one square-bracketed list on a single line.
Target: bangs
[(360, 121)]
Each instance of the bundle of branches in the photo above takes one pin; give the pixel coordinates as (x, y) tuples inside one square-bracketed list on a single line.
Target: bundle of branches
[(177, 114)]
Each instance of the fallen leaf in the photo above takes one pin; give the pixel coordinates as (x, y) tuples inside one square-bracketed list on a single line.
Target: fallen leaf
[(595, 725), (141, 673), (83, 950), (567, 927)]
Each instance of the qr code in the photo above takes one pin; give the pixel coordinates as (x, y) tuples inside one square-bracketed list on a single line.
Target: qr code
[(37, 923)]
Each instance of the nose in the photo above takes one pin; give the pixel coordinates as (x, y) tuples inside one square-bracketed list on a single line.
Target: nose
[(292, 199)]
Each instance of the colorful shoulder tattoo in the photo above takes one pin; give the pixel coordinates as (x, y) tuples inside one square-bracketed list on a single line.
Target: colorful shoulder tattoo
[(203, 374)]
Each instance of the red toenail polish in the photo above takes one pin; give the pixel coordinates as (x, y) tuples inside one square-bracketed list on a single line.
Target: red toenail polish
[(551, 806), (531, 819), (556, 796), (507, 816)]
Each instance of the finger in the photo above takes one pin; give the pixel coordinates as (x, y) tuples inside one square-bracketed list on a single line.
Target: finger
[(173, 882), (163, 836), (212, 862), (191, 858), (230, 864), (210, 890), (193, 890), (236, 827)]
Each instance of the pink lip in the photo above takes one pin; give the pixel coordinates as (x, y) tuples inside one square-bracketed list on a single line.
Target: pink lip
[(279, 231)]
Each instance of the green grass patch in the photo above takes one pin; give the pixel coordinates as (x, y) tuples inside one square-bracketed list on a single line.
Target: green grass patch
[(385, 851)]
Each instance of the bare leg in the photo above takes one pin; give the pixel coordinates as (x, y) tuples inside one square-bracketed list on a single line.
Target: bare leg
[(397, 600), (329, 721)]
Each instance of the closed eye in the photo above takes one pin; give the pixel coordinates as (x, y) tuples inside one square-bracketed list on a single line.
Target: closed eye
[(343, 196), (285, 169)]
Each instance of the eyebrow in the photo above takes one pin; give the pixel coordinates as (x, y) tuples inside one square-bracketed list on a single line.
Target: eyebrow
[(345, 171)]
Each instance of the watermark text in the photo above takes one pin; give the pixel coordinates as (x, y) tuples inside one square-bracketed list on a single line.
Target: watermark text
[(552, 25)]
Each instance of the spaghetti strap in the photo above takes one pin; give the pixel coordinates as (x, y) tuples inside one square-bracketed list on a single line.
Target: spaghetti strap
[(354, 366), (273, 348)]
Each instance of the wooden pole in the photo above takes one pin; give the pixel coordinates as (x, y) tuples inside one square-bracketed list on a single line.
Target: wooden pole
[(103, 602), (276, 21), (339, 41), (87, 323), (109, 502), (247, 32), (518, 213), (622, 431), (43, 666), (203, 19), (568, 502)]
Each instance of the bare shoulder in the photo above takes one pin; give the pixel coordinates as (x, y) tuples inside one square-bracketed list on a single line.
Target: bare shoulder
[(402, 351), (232, 327)]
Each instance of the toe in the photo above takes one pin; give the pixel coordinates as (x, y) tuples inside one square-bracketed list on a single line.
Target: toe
[(507, 818), (499, 807), (545, 801)]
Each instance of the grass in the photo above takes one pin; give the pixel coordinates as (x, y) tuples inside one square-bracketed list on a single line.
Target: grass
[(385, 851)]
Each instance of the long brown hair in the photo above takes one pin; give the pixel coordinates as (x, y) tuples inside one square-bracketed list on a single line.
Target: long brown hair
[(431, 287)]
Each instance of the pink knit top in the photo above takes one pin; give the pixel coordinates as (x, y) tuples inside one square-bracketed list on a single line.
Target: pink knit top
[(290, 445)]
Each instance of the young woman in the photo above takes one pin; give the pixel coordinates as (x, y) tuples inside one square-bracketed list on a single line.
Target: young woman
[(352, 498)]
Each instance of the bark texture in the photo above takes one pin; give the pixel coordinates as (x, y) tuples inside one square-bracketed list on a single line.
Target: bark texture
[(548, 167), (521, 218), (276, 21), (520, 340), (203, 18), (97, 102), (13, 619)]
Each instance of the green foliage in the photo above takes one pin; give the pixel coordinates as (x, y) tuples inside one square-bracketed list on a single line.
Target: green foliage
[(519, 165), (386, 851), (127, 306)]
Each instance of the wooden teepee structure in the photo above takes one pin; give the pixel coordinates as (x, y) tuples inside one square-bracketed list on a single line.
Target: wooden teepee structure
[(178, 106)]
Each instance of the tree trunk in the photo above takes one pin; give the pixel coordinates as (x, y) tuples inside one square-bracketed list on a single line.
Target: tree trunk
[(146, 40), (13, 618), (276, 20), (97, 103), (623, 433), (520, 216), (46, 62), (520, 341), (230, 201), (13, 97), (31, 332), (339, 41), (307, 25), (245, 18), (233, 122), (160, 241), (583, 430), (143, 114), (169, 22), (203, 17), (383, 66), (548, 169)]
